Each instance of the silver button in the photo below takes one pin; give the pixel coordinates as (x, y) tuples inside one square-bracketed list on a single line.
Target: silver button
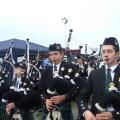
[(83, 108), (81, 101), (81, 105), (117, 113)]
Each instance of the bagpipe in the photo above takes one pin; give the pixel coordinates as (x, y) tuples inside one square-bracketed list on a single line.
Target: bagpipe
[(7, 71), (7, 75), (111, 98), (7, 65), (26, 95), (33, 74), (63, 82), (31, 77), (82, 67), (29, 80)]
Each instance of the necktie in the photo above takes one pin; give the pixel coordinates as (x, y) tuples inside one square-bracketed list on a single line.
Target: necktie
[(55, 68), (108, 79), (16, 84)]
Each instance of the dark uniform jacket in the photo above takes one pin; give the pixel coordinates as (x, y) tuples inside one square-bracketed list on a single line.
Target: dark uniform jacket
[(95, 86)]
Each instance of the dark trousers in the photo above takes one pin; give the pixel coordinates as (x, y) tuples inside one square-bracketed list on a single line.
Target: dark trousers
[(26, 115)]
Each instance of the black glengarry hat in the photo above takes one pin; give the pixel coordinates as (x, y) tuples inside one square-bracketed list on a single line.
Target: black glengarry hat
[(111, 41), (55, 47), (20, 65)]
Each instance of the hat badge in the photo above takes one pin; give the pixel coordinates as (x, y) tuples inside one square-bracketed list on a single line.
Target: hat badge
[(116, 43), (57, 47)]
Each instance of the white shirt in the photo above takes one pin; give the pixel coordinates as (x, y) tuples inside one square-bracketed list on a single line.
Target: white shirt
[(17, 84), (56, 73), (110, 108), (57, 65)]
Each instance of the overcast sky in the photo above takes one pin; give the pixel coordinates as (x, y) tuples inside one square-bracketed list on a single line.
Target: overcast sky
[(41, 21)]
